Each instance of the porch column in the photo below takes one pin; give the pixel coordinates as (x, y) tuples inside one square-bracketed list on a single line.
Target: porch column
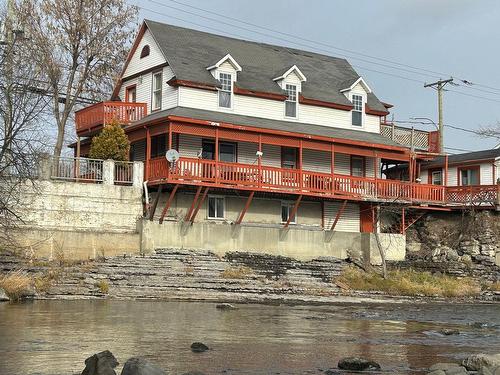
[(445, 182), (169, 147), (259, 161), (148, 152), (375, 172), (332, 167), (301, 178), (216, 155)]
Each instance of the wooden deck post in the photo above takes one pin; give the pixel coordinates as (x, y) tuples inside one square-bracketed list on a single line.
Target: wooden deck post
[(152, 209), (294, 212), (216, 157), (259, 162), (202, 199), (403, 224), (169, 202), (195, 199), (332, 167), (169, 147), (245, 208), (148, 153), (339, 214), (301, 178)]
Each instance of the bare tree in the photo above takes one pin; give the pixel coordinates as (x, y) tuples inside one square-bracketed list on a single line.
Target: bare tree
[(23, 102), (492, 131), (80, 46)]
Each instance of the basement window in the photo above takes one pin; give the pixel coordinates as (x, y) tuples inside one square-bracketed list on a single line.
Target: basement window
[(286, 211), (216, 206)]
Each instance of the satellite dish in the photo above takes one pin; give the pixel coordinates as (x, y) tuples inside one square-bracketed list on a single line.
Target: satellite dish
[(172, 155)]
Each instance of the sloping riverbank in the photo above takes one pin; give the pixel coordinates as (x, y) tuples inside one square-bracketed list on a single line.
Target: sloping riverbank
[(175, 274)]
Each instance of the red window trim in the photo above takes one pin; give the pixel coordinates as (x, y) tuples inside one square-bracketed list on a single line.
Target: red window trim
[(429, 174), (127, 89), (460, 169), (363, 158)]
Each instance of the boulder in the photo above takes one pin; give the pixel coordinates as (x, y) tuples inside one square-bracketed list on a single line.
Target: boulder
[(476, 362), (444, 366), (3, 296), (198, 347), (102, 363), (194, 373), (225, 306), (489, 371), (449, 332), (357, 364), (141, 366), (437, 372)]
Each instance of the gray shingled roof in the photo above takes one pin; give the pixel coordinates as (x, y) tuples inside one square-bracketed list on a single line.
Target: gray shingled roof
[(189, 53), (288, 126), (465, 157)]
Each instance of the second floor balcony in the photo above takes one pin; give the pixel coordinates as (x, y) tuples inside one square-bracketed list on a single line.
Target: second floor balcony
[(91, 119), (418, 140)]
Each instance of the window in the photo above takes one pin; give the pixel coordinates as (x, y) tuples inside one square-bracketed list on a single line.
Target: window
[(215, 207), (289, 157), (286, 210), (357, 166), (291, 101), (226, 90), (468, 176), (157, 87), (227, 151), (131, 94), (436, 177), (158, 145), (145, 51), (357, 111)]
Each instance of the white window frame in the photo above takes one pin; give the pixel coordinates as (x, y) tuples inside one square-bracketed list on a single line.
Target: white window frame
[(362, 111), (223, 207), (289, 206), (154, 90), (231, 91), (440, 177), (296, 101)]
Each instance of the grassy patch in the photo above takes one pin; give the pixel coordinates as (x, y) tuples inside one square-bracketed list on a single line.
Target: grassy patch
[(241, 272), (103, 286), (494, 287), (17, 284), (410, 283)]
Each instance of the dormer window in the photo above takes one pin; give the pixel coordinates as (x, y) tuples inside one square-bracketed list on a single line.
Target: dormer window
[(145, 51), (291, 101), (357, 110), (226, 90)]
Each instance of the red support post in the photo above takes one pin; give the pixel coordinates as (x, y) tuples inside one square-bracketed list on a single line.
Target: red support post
[(301, 178), (148, 152), (244, 211), (202, 199), (259, 161), (152, 209), (294, 212), (169, 146), (190, 211), (403, 224), (216, 157), (169, 202), (339, 214), (332, 167)]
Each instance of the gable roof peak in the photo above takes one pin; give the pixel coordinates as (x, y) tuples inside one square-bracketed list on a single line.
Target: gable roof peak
[(231, 60), (295, 69), (359, 80)]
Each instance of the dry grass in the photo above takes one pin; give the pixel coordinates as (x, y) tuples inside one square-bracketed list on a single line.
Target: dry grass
[(410, 283), (189, 271), (17, 285), (241, 272), (494, 287), (103, 286)]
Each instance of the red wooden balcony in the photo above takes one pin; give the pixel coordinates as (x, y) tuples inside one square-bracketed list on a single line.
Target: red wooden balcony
[(92, 118), (272, 179), (479, 195)]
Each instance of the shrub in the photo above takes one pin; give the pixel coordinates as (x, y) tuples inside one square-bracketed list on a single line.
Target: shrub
[(17, 284), (237, 272), (103, 286), (111, 143), (409, 283)]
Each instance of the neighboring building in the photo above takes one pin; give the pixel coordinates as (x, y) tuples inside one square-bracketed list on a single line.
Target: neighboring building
[(269, 136)]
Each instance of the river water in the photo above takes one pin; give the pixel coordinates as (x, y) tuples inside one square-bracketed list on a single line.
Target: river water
[(54, 337)]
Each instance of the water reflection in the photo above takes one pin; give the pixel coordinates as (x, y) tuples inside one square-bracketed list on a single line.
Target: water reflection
[(54, 337)]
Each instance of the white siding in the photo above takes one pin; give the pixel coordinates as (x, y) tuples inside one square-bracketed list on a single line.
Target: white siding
[(272, 156), (155, 57), (274, 109), (349, 221), (486, 175), (247, 153), (189, 145), (452, 176), (342, 164), (316, 161), (143, 86)]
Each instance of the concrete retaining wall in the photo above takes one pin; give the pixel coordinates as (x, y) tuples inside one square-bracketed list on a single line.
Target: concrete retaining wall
[(299, 243)]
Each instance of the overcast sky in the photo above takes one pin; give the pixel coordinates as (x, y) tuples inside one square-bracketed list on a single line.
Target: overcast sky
[(453, 37)]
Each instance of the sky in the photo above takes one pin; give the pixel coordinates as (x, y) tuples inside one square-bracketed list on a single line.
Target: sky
[(395, 45)]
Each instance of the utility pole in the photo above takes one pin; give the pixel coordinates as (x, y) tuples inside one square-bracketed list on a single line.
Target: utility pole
[(439, 86)]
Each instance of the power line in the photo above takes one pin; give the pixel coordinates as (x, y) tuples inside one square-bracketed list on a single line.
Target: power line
[(435, 74), (224, 32)]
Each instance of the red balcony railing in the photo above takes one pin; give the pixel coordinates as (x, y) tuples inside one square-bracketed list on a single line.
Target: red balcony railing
[(202, 171), (95, 116), (482, 195)]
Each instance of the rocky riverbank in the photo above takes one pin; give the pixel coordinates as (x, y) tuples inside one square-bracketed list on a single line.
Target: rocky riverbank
[(180, 274)]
